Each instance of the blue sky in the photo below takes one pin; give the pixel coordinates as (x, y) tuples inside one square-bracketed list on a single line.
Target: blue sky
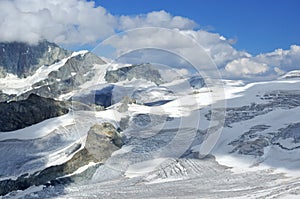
[(258, 25)]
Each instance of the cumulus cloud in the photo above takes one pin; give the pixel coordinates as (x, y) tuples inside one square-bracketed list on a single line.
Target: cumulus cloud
[(72, 21), (200, 47), (246, 67), (273, 63), (282, 59), (156, 19), (63, 22), (217, 46), (173, 41)]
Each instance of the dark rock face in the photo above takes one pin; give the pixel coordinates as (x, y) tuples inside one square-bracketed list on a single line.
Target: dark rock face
[(80, 66), (197, 82), (20, 114), (23, 59), (142, 71), (102, 141), (103, 97)]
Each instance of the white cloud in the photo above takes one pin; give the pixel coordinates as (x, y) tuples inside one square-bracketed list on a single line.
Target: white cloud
[(64, 22), (72, 21), (273, 63), (156, 19), (246, 67), (200, 47), (174, 41), (282, 59), (217, 46)]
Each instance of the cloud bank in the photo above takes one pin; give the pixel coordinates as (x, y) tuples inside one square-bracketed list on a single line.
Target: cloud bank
[(64, 22), (273, 63), (72, 21), (156, 19), (78, 22)]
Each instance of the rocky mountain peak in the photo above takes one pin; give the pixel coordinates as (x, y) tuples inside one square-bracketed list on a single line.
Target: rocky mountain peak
[(23, 59)]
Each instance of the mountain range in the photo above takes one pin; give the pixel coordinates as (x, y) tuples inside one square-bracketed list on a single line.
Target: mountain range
[(73, 125)]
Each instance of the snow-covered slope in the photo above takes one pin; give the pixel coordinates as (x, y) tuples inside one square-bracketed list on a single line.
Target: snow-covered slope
[(181, 138), (291, 74)]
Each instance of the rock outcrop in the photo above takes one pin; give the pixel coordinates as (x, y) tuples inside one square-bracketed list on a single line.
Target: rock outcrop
[(102, 140), (197, 82), (141, 71), (15, 115)]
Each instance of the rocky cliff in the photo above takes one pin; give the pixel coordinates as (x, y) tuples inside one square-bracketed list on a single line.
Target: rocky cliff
[(141, 71), (23, 59), (20, 114), (76, 71)]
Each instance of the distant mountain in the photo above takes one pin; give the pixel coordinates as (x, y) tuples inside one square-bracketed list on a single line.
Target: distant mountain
[(44, 69), (141, 71), (23, 59)]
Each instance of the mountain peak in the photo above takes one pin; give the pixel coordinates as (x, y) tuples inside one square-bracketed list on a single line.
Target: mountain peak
[(23, 59)]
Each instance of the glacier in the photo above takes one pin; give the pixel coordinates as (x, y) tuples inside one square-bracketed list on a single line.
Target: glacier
[(181, 138)]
